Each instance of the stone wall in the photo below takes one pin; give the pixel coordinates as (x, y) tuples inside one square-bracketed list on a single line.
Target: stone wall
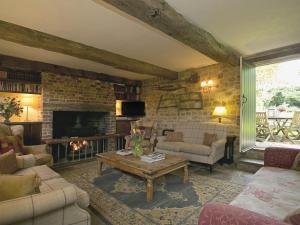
[(226, 91), (66, 93)]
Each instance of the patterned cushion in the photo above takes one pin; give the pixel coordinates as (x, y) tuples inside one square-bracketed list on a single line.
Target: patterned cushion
[(280, 157), (209, 139), (5, 147), (147, 130), (293, 218), (174, 137), (8, 163), (13, 186), (15, 141), (296, 164)]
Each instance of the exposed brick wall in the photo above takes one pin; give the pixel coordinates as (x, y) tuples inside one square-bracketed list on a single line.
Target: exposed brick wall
[(66, 93), (226, 90)]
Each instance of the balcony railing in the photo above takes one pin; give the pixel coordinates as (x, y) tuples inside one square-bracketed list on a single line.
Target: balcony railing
[(71, 150)]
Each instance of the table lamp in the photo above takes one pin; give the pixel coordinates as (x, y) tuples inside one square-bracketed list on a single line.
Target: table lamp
[(27, 101), (220, 111)]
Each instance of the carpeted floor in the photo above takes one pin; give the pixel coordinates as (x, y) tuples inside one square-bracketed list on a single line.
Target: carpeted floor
[(121, 198)]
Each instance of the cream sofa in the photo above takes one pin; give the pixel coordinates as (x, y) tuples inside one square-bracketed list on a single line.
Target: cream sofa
[(192, 147), (58, 203)]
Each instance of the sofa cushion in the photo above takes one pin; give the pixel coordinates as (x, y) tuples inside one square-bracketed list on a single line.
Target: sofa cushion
[(174, 137), (44, 172), (209, 139), (293, 218), (296, 164), (59, 183), (13, 186), (8, 163), (197, 149), (273, 193), (9, 141), (171, 146), (42, 158)]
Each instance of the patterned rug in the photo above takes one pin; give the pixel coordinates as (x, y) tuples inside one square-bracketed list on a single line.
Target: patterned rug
[(121, 198)]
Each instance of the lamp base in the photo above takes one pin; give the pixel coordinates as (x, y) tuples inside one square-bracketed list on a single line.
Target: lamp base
[(220, 119)]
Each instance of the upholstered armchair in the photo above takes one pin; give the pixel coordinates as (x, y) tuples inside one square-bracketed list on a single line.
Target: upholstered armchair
[(34, 153)]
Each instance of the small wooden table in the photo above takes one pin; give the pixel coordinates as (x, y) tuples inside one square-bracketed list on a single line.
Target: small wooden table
[(149, 171)]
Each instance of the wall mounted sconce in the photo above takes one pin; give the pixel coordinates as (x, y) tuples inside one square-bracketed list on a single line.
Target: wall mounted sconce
[(206, 86)]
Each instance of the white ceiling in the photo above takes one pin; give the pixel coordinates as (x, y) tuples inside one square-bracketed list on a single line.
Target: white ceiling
[(249, 26), (95, 25)]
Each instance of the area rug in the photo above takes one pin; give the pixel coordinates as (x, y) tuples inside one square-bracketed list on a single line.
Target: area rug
[(121, 197)]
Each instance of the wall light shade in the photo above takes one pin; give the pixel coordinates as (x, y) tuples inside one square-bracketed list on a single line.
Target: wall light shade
[(220, 111), (118, 108)]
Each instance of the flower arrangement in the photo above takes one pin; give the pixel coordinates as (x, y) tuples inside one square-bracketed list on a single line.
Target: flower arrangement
[(137, 138), (9, 107)]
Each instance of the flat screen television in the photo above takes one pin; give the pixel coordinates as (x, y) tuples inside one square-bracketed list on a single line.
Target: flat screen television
[(133, 108)]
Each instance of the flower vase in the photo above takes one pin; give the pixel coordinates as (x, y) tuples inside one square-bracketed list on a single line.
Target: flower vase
[(6, 120), (138, 150)]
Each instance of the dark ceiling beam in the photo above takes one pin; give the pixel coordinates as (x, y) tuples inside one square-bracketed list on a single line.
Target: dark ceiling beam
[(25, 36), (160, 15), (14, 63), (274, 54)]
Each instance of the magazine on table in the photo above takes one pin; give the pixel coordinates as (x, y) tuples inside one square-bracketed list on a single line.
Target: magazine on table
[(154, 157), (124, 152)]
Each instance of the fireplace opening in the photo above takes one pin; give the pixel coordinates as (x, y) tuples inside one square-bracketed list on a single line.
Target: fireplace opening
[(78, 125)]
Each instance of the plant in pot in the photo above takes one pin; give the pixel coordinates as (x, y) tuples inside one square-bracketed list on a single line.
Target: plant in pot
[(137, 138), (9, 107)]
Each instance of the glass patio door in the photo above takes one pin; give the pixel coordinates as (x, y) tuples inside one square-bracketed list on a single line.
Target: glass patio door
[(248, 106)]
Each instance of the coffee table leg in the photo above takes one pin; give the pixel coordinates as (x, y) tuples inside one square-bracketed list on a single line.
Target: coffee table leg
[(185, 174), (100, 163), (149, 190)]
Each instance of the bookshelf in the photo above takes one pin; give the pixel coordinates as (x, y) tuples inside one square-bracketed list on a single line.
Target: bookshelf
[(20, 82)]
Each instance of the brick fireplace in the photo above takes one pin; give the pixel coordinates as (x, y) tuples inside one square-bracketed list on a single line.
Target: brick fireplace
[(69, 94)]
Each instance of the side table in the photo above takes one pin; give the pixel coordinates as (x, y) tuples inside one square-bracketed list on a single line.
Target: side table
[(229, 149)]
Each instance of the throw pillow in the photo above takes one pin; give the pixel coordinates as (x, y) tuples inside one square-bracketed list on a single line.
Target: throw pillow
[(147, 130), (296, 164), (5, 130), (15, 141), (174, 137), (16, 186), (8, 163), (293, 218), (209, 139)]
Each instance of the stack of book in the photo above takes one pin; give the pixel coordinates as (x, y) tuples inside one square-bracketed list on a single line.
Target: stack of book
[(124, 152), (154, 157)]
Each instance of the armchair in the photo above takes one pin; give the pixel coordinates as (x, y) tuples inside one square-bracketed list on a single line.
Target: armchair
[(39, 152)]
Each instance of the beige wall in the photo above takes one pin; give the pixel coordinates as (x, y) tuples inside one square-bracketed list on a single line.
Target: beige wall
[(34, 110), (226, 90)]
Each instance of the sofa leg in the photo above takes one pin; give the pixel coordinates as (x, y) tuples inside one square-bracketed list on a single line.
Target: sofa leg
[(210, 168)]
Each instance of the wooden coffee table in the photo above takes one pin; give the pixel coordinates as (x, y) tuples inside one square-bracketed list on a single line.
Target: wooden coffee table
[(149, 171)]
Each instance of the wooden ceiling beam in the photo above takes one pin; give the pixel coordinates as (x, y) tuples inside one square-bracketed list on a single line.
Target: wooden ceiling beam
[(160, 15), (14, 63), (25, 36)]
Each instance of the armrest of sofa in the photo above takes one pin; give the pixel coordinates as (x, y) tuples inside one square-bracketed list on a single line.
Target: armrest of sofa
[(36, 149), (160, 138), (280, 157), (25, 161), (25, 208), (219, 213), (219, 145)]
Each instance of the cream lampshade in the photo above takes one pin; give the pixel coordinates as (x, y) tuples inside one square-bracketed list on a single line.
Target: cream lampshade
[(220, 111), (27, 101)]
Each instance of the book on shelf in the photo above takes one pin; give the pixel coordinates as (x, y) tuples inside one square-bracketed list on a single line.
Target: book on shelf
[(154, 157)]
